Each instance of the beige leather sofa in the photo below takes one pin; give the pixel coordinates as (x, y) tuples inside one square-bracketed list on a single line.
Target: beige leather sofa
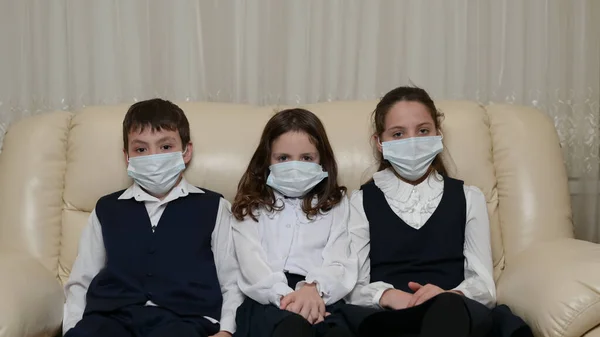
[(55, 166)]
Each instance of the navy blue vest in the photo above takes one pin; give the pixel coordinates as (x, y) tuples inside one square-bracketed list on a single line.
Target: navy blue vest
[(433, 254), (173, 267)]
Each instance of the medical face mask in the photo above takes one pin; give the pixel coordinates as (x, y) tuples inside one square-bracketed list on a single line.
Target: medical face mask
[(295, 178), (411, 157), (156, 173)]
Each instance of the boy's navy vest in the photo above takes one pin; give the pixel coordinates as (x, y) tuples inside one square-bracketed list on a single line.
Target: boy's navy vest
[(432, 254), (173, 267)]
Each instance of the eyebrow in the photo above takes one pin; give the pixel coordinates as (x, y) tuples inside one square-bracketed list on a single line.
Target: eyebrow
[(137, 141), (287, 154), (398, 127), (166, 138)]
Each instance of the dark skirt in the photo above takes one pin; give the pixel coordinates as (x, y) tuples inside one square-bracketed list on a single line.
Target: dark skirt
[(259, 320), (482, 321)]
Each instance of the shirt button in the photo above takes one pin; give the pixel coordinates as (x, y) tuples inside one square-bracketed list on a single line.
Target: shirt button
[(288, 225)]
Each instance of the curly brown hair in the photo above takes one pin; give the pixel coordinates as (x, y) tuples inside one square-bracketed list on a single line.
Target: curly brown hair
[(253, 191)]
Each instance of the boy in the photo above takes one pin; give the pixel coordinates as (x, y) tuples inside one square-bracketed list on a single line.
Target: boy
[(155, 260)]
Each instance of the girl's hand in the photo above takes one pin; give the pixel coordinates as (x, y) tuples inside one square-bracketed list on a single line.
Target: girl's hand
[(395, 299), (422, 293), (306, 302), (321, 318)]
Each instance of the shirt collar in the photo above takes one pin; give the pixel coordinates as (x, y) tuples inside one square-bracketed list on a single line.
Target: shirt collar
[(182, 189), (396, 189)]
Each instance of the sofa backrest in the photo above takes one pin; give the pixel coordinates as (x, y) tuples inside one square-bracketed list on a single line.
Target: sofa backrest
[(55, 166)]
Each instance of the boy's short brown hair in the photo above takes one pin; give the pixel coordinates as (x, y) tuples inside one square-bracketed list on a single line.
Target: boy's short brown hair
[(157, 114)]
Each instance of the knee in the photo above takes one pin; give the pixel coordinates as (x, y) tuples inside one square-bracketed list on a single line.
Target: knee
[(450, 299), (293, 326)]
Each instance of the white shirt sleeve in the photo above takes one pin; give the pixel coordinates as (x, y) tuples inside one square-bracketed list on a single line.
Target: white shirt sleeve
[(257, 280), (479, 268), (337, 275), (91, 258), (364, 293), (227, 267)]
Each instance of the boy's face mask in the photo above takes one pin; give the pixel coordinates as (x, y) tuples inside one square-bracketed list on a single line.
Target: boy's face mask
[(157, 173)]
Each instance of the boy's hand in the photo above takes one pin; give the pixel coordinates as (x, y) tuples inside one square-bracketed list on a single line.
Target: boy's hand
[(222, 334), (305, 302), (395, 299)]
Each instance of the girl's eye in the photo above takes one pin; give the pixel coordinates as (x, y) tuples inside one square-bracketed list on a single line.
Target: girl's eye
[(282, 158), (307, 158), (140, 150), (424, 131), (398, 134), (166, 147)]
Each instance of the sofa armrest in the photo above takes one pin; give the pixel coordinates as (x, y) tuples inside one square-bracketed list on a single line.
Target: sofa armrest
[(555, 287), (31, 298)]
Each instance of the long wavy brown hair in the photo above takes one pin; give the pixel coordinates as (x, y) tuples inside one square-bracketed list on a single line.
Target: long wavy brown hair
[(253, 192)]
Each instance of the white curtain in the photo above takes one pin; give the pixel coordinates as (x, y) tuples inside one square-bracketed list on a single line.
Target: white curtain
[(65, 54)]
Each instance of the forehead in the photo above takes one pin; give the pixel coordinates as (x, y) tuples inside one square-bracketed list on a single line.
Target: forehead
[(407, 114), (293, 142), (148, 135)]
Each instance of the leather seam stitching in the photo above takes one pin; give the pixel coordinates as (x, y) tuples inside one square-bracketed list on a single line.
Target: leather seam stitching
[(579, 314)]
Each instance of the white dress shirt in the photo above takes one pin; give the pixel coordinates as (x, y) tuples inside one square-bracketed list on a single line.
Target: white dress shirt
[(286, 241), (414, 205), (91, 256)]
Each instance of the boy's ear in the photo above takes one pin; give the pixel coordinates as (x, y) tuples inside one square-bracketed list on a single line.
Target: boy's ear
[(126, 157), (189, 150)]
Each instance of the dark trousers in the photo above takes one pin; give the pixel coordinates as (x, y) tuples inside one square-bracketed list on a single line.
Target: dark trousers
[(141, 321)]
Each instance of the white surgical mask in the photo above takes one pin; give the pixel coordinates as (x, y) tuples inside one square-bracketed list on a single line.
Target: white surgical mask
[(295, 178), (411, 157), (156, 173)]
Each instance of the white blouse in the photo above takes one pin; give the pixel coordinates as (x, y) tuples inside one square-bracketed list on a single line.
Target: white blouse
[(415, 205), (287, 241)]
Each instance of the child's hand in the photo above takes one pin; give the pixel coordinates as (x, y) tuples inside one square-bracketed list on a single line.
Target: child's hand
[(222, 334), (305, 302), (395, 299), (321, 318), (422, 293)]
